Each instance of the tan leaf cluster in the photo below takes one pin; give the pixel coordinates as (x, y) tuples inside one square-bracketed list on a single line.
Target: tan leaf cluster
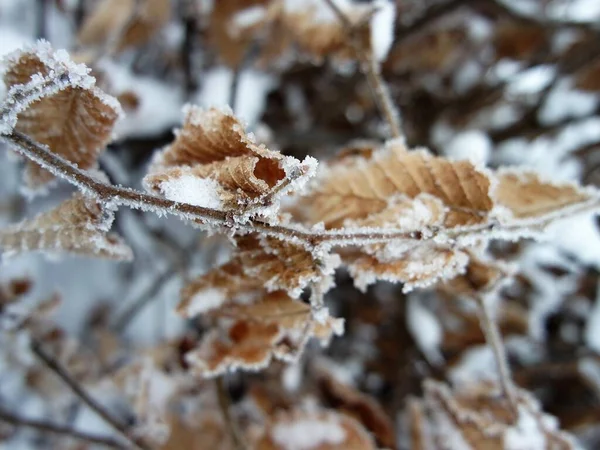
[(124, 23), (419, 195), (478, 416), (207, 433), (214, 146), (74, 118), (78, 225), (250, 335), (260, 263), (315, 429)]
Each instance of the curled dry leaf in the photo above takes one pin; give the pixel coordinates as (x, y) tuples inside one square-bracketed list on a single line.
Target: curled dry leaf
[(479, 417), (314, 429), (78, 225), (54, 101), (124, 23), (214, 163), (259, 263), (479, 276), (250, 335)]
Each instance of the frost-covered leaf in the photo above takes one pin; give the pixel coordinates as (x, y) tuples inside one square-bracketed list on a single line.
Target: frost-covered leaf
[(250, 335), (259, 263), (314, 429), (479, 276), (54, 101), (78, 225), (353, 187), (213, 162), (479, 416), (124, 23), (420, 266)]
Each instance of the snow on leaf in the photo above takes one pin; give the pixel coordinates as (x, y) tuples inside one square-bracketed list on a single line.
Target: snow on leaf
[(478, 416), (249, 336), (54, 101), (314, 429), (214, 146), (124, 23), (78, 225)]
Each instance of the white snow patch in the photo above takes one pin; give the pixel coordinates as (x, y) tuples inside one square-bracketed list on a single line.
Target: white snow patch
[(472, 145), (425, 329), (189, 188), (532, 80), (205, 300), (592, 327), (382, 28)]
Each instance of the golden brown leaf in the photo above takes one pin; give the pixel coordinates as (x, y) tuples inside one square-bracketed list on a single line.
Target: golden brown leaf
[(316, 429), (526, 196), (355, 188), (252, 334), (124, 23), (213, 146), (78, 225), (480, 276), (72, 117)]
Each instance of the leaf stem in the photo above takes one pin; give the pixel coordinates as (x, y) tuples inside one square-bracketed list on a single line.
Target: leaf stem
[(78, 390)]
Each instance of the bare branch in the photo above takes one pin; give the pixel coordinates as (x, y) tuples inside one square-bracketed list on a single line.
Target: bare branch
[(372, 70), (78, 390), (48, 427), (225, 405), (493, 338)]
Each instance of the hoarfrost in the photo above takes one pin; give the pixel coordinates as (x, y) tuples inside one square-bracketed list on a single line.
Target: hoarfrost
[(191, 189)]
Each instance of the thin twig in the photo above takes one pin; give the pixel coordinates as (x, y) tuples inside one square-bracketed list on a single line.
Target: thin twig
[(64, 430), (372, 70), (225, 405), (310, 238), (494, 340), (78, 390)]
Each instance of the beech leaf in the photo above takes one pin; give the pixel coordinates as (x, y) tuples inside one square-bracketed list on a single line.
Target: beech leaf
[(55, 102), (78, 225)]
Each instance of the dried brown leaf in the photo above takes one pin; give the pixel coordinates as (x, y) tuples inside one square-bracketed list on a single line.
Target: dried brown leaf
[(480, 276), (420, 266), (250, 335), (124, 23), (526, 196), (479, 417), (364, 408), (355, 188), (213, 146), (71, 116), (316, 429), (78, 225)]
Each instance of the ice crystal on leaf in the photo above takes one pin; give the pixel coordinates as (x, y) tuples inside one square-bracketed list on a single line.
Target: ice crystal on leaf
[(55, 102), (78, 226)]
